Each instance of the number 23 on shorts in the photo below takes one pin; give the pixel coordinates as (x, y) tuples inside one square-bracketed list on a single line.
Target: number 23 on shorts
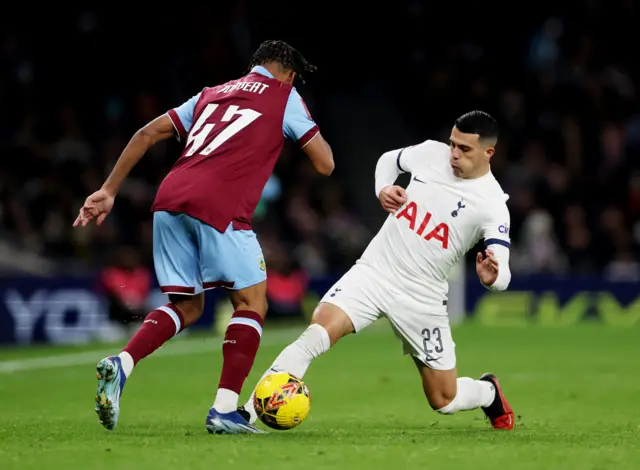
[(432, 337)]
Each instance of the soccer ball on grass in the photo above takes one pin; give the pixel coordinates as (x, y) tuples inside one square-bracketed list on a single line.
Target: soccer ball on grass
[(282, 401)]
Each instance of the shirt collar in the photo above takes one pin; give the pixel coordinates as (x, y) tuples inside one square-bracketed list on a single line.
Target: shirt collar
[(262, 71)]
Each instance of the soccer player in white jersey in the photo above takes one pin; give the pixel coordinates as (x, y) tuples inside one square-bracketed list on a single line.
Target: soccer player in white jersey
[(452, 202)]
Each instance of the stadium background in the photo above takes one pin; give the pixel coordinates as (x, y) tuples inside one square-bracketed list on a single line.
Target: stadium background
[(76, 83), (562, 79)]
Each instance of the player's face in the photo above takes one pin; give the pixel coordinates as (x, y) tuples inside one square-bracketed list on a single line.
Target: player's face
[(469, 156)]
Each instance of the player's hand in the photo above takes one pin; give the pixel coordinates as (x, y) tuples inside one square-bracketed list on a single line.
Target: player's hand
[(487, 268), (97, 206), (392, 198)]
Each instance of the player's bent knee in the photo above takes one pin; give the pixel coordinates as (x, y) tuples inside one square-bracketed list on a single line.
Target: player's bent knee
[(333, 319), (440, 393), (439, 401), (253, 298), (191, 306), (440, 396), (440, 386)]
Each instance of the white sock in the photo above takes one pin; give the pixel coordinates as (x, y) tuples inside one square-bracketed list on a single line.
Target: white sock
[(226, 401), (471, 394), (296, 358), (127, 363)]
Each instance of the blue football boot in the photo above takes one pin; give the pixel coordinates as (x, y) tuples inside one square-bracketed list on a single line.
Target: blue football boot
[(229, 423), (111, 380)]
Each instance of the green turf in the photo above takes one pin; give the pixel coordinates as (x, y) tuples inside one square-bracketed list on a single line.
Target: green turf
[(575, 390)]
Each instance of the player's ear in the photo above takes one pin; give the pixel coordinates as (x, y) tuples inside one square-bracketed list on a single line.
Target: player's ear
[(291, 76), (488, 152)]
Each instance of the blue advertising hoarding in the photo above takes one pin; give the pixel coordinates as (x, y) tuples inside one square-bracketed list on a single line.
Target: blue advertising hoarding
[(63, 310), (69, 310), (555, 301)]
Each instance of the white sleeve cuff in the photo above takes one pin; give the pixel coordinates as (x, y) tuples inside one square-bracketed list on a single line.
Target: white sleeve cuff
[(504, 273)]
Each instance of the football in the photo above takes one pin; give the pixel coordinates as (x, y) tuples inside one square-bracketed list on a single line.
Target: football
[(282, 401)]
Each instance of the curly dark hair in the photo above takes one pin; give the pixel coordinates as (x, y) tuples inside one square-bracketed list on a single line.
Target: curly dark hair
[(283, 54)]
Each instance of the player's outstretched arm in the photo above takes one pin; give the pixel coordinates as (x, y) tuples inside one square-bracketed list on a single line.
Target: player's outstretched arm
[(320, 154), (99, 204), (161, 128)]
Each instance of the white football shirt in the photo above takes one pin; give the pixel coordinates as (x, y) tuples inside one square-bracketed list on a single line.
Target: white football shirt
[(443, 218)]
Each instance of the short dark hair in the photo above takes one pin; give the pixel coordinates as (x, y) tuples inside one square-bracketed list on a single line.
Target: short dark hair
[(283, 54), (478, 122)]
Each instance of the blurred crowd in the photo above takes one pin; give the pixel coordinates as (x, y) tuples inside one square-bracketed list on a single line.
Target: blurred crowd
[(56, 152), (565, 93)]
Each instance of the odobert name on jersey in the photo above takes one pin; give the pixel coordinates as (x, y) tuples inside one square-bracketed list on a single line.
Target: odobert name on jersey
[(253, 87)]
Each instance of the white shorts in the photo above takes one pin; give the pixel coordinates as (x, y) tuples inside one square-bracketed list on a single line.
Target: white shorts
[(365, 297)]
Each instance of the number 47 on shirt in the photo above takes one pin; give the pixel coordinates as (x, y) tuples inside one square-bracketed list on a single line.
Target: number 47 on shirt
[(200, 131)]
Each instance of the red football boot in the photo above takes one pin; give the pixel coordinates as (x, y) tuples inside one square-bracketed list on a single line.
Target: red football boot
[(499, 412)]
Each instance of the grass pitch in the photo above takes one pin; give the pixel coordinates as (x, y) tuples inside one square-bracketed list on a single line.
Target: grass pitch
[(575, 390)]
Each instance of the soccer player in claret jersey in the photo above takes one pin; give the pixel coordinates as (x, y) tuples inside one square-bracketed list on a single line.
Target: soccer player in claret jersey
[(233, 136), (452, 201)]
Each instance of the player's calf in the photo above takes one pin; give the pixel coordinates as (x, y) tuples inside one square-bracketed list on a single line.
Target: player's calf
[(252, 299), (448, 394), (160, 326), (439, 386), (190, 307), (240, 344), (470, 395), (328, 325)]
